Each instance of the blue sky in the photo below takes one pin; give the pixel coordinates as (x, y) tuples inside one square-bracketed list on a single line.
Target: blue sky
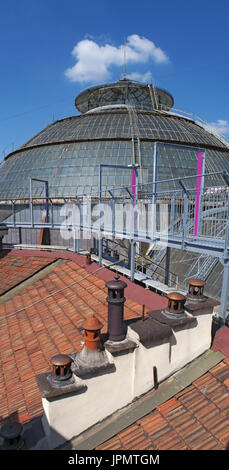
[(177, 45)]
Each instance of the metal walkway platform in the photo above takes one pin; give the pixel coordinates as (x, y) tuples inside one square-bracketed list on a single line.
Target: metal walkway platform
[(191, 217)]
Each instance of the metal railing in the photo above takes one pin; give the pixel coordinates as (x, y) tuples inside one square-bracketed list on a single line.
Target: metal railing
[(193, 219), (169, 215), (143, 264)]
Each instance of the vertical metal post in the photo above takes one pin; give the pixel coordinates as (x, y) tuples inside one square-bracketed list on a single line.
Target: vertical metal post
[(132, 260), (19, 236), (113, 213), (47, 201), (172, 214), (13, 211), (51, 212), (76, 229), (167, 265), (134, 198), (155, 378), (185, 220), (225, 283), (199, 192), (74, 241), (31, 202), (80, 228), (100, 250), (185, 213), (224, 291), (113, 217), (154, 195), (45, 182)]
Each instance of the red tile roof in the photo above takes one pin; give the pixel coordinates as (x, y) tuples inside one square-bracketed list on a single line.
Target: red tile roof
[(50, 323), (196, 418), (221, 341), (15, 269)]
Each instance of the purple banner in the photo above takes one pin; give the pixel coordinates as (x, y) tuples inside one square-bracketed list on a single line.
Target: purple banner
[(198, 187)]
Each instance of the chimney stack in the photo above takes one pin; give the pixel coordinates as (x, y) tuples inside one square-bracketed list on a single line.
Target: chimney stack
[(116, 302), (92, 359)]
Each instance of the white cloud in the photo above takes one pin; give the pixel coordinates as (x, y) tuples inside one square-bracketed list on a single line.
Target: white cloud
[(93, 61), (220, 127), (140, 77)]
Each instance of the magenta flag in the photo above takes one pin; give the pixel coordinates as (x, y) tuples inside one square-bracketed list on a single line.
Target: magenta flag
[(134, 193), (198, 187)]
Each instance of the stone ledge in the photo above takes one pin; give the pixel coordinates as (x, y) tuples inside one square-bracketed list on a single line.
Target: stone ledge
[(199, 308), (150, 331), (48, 391), (173, 320), (119, 347)]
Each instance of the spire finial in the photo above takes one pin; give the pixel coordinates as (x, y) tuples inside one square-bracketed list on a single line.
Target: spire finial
[(124, 59)]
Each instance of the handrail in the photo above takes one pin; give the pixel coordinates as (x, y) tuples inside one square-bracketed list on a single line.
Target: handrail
[(148, 260)]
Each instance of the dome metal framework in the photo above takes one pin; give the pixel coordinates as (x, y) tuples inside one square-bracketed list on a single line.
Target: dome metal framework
[(68, 152), (120, 126), (124, 92)]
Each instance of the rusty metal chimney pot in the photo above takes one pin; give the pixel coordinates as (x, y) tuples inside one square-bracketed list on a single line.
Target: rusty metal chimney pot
[(61, 367), (116, 285), (116, 302), (196, 289), (176, 302)]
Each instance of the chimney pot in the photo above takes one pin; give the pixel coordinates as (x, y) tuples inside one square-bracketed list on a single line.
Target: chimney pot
[(196, 289), (61, 367), (116, 302), (11, 432), (176, 302), (92, 328), (88, 258)]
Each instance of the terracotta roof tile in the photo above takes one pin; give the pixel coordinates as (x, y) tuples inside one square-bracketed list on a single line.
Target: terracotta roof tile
[(32, 336), (134, 436), (115, 443), (196, 418), (226, 382), (14, 268), (168, 406), (221, 371)]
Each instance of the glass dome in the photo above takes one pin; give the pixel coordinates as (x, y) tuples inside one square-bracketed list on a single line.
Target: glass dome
[(68, 152)]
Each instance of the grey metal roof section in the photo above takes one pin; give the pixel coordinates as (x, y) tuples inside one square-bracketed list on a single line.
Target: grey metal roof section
[(115, 124), (123, 92)]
